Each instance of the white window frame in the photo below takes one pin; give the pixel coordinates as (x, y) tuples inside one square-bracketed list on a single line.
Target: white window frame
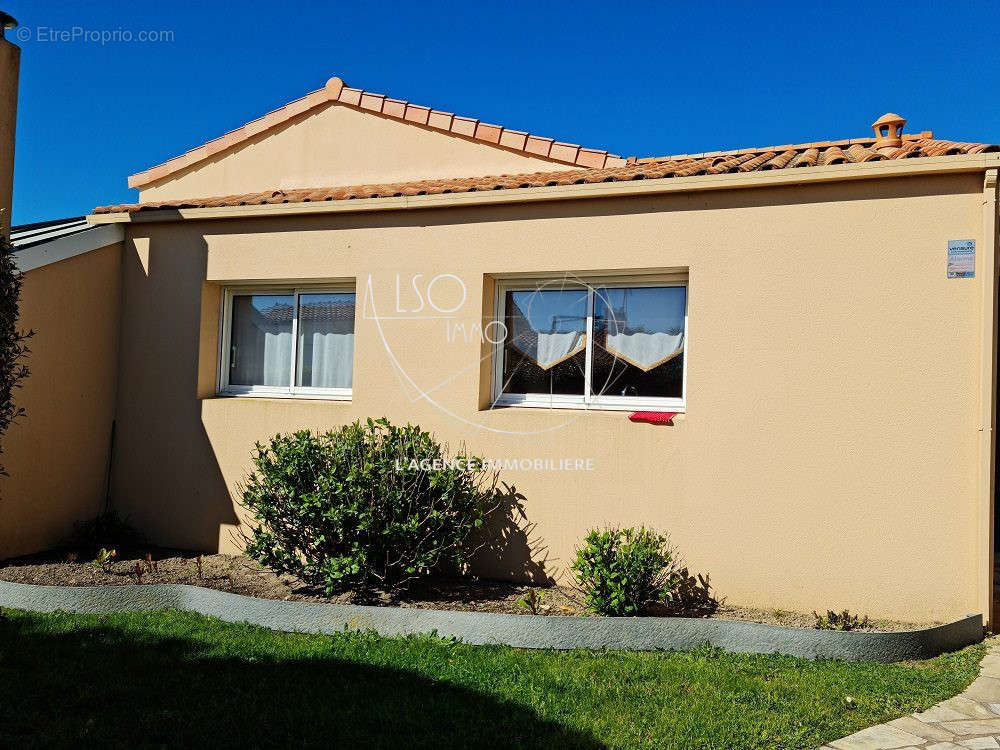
[(585, 401), (270, 391)]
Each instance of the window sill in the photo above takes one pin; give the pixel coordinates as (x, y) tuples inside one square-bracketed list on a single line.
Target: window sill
[(579, 406), (286, 396)]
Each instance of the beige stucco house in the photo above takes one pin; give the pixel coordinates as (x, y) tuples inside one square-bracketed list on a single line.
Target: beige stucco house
[(819, 318)]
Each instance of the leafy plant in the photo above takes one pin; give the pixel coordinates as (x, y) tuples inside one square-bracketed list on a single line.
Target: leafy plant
[(367, 506), (843, 620), (13, 340), (622, 572), (534, 601), (104, 558)]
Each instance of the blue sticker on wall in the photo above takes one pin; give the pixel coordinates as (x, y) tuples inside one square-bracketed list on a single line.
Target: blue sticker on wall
[(961, 259)]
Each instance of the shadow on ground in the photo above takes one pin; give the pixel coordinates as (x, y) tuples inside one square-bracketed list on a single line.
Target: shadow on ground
[(106, 687)]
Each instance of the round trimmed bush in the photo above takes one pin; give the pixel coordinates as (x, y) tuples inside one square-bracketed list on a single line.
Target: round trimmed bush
[(621, 572), (369, 506)]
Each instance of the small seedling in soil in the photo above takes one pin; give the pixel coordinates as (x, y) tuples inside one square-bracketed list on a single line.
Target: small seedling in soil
[(840, 621), (533, 601), (198, 563), (138, 573), (104, 558), (150, 563)]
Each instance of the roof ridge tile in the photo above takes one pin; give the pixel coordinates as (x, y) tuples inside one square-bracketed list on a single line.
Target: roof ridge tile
[(804, 156)]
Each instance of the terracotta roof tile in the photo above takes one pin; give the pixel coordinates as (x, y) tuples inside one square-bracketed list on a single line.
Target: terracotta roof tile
[(417, 113), (398, 109), (515, 139), (806, 155)]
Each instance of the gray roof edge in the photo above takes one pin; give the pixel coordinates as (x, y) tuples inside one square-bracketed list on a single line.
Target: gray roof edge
[(34, 249)]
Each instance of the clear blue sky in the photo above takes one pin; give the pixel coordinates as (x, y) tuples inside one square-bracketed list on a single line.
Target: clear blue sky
[(636, 79)]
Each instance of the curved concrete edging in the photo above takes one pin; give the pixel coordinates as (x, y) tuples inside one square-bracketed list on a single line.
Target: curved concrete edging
[(522, 631)]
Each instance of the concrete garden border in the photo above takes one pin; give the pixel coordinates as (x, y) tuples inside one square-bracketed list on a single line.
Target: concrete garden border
[(522, 631)]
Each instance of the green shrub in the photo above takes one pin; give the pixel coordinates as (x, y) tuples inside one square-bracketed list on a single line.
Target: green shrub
[(13, 341), (369, 506), (621, 572)]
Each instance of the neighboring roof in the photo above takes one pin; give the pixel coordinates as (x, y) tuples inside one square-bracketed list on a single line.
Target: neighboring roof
[(396, 109), (29, 235), (46, 242), (804, 155)]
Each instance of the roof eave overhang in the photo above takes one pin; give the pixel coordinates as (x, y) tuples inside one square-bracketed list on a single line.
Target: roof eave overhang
[(806, 176)]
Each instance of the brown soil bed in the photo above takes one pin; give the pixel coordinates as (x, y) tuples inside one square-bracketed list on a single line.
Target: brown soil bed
[(240, 575)]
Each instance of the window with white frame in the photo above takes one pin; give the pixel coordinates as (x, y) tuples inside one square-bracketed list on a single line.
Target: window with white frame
[(602, 343), (288, 342)]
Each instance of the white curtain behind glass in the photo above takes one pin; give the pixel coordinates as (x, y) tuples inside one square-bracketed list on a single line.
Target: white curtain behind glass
[(645, 350), (326, 341), (644, 326), (261, 351), (556, 310)]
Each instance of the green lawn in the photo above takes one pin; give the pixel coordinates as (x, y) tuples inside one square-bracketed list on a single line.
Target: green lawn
[(170, 679)]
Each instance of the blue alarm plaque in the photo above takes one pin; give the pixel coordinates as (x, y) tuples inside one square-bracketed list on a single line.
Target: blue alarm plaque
[(961, 259)]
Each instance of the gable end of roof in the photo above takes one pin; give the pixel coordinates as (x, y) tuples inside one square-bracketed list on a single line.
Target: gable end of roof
[(397, 109)]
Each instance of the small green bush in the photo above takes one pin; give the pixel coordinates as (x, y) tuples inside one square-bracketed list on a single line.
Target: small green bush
[(369, 506), (621, 572), (843, 620)]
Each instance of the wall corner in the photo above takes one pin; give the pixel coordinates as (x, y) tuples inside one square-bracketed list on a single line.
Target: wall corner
[(988, 390)]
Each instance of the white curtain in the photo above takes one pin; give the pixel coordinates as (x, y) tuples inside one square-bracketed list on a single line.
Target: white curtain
[(276, 357), (262, 344), (545, 349), (326, 353), (645, 350), (261, 357)]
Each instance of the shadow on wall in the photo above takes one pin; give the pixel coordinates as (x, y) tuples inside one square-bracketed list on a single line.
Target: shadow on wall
[(693, 597), (166, 478), (181, 694), (512, 549)]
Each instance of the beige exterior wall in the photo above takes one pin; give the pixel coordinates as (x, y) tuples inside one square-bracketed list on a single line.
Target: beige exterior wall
[(10, 57), (336, 145), (57, 456), (828, 456)]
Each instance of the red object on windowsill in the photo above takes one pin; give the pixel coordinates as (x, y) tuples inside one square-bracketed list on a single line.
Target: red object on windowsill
[(653, 417)]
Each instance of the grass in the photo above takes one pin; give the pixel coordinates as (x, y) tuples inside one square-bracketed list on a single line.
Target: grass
[(173, 679)]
